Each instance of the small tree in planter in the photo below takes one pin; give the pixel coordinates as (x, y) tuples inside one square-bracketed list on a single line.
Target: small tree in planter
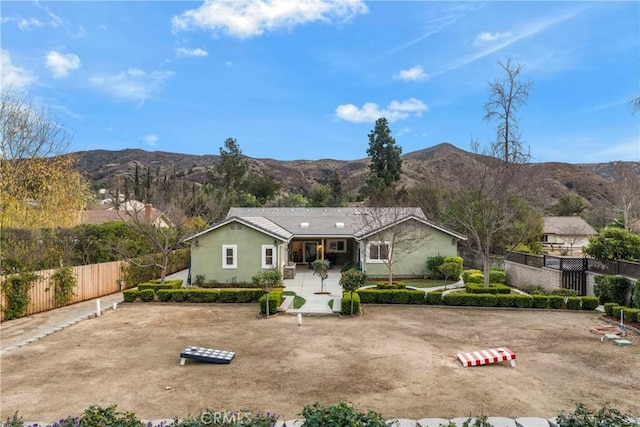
[(267, 280), (450, 269), (351, 280), (321, 268)]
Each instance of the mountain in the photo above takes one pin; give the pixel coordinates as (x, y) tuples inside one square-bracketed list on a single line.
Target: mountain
[(437, 165)]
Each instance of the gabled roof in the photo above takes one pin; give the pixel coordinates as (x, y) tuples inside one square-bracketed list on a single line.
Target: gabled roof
[(567, 225), (335, 221), (257, 223)]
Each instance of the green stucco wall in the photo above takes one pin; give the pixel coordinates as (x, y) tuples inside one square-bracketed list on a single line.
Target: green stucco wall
[(206, 254), (411, 262)]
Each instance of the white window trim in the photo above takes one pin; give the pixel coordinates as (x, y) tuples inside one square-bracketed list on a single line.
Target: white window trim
[(368, 252), (335, 249), (264, 256), (224, 257)]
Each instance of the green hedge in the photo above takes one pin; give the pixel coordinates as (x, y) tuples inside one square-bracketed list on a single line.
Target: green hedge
[(275, 300), (130, 295), (608, 308), (345, 303), (196, 295), (556, 301), (540, 301), (574, 303), (153, 285), (134, 273), (497, 276), (391, 296), (433, 297), (589, 303), (494, 288), (466, 275), (632, 314)]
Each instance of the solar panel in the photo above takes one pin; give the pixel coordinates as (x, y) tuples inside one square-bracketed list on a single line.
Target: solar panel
[(203, 354)]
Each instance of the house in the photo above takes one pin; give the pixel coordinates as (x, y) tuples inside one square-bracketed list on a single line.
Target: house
[(127, 211), (566, 233), (252, 239)]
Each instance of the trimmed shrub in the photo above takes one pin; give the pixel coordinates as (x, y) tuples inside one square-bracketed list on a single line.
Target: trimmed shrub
[(178, 295), (387, 285), (147, 295), (563, 292), (556, 301), (497, 276), (476, 278), (612, 289), (368, 296), (635, 295), (130, 295), (169, 284), (574, 303), (134, 273), (416, 297), (216, 285), (616, 311), (494, 288), (632, 315), (275, 299), (514, 300), (433, 298), (473, 300), (589, 303), (466, 275), (540, 301), (163, 295), (391, 296), (345, 303), (608, 308), (432, 267), (201, 295)]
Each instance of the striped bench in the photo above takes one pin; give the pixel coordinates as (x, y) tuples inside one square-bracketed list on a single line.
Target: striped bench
[(485, 357)]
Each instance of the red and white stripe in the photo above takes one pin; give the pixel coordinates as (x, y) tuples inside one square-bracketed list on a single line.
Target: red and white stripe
[(484, 357)]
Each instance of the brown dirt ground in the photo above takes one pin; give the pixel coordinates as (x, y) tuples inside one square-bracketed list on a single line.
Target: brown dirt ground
[(399, 361)]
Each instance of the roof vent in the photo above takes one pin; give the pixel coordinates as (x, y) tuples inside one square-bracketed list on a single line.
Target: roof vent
[(304, 225), (340, 224)]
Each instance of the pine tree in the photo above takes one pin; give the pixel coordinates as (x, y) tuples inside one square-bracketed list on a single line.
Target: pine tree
[(386, 163)]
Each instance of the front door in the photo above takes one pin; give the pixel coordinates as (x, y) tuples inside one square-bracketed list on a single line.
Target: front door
[(310, 251)]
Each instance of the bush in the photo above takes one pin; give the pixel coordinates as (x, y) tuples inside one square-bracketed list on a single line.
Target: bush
[(465, 299), (137, 272), (494, 288), (497, 276), (391, 296), (540, 301), (589, 303), (433, 297), (345, 303), (604, 417), (147, 295), (556, 301), (617, 309), (635, 295), (393, 285), (215, 285), (163, 295), (612, 289), (169, 284), (63, 282), (608, 308), (563, 292), (368, 296), (432, 270), (341, 414), (16, 290), (466, 275), (574, 303), (130, 295), (275, 299), (632, 315)]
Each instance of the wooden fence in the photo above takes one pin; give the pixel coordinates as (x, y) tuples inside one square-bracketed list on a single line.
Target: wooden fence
[(94, 280)]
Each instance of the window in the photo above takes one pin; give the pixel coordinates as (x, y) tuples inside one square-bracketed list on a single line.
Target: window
[(337, 245), (378, 252), (235, 227), (545, 238), (268, 256), (229, 256)]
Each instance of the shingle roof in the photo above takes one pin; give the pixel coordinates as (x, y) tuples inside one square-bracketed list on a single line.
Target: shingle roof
[(258, 223), (567, 225)]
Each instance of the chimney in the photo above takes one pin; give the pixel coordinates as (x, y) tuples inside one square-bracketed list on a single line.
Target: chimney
[(148, 210)]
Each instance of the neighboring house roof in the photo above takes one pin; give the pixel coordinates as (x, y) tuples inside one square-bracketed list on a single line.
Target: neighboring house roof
[(334, 221), (124, 213), (567, 225), (257, 223)]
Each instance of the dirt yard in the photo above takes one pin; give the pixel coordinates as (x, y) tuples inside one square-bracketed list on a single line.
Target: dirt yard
[(399, 361)]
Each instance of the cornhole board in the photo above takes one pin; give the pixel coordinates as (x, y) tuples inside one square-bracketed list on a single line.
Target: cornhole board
[(209, 355), (485, 357)]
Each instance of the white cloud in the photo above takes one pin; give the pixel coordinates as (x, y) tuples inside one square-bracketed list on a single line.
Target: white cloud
[(228, 64), (12, 77), (412, 74), (60, 64), (150, 139), (249, 18), (405, 130), (28, 24), (370, 112), (133, 84), (485, 37), (182, 51)]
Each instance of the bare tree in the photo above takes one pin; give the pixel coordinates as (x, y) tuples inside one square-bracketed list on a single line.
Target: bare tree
[(391, 233), (39, 184), (571, 234), (627, 190), (507, 96)]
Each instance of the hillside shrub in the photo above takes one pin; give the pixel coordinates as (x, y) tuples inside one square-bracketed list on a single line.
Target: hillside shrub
[(497, 276), (16, 289), (130, 295), (494, 288), (589, 303), (574, 303), (345, 303), (147, 295)]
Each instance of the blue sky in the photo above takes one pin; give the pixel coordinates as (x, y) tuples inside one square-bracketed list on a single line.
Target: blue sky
[(307, 80)]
